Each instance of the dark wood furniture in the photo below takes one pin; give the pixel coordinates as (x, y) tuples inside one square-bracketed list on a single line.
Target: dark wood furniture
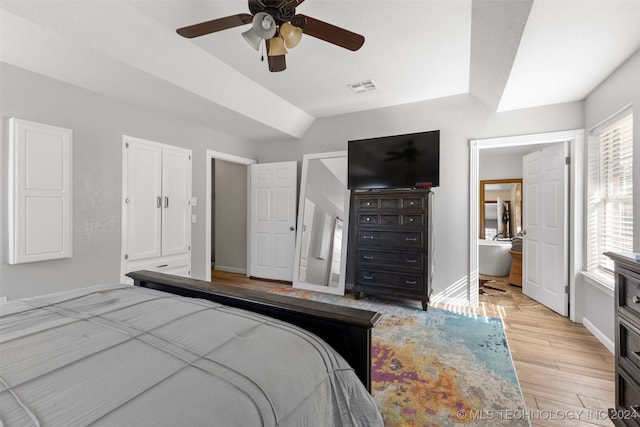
[(627, 300), (392, 233), (515, 273), (346, 329)]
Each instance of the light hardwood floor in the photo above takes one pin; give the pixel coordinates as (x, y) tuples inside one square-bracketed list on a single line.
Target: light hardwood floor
[(566, 374)]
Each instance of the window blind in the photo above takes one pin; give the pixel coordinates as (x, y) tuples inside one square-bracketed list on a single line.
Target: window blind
[(610, 187)]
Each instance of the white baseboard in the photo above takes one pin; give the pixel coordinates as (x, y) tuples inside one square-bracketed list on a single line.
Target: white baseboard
[(599, 335), (231, 269)]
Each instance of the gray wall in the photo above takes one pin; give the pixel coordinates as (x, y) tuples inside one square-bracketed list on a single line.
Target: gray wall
[(98, 124), (231, 216), (460, 119)]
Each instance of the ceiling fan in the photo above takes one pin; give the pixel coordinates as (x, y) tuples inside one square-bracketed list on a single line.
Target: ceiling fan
[(276, 22)]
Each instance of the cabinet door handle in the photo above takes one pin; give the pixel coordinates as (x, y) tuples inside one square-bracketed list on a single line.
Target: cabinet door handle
[(411, 239), (636, 299), (410, 282), (166, 202), (367, 256), (158, 202), (412, 261), (367, 237), (368, 277)]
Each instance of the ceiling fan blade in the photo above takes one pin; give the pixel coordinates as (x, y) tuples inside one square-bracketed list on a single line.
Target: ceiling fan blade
[(215, 25), (276, 63), (328, 32)]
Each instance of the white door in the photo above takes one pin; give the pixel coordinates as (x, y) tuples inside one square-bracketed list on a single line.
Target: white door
[(176, 199), (143, 163), (273, 219), (544, 254)]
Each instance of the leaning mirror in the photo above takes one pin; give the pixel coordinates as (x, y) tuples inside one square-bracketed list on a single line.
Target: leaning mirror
[(321, 241)]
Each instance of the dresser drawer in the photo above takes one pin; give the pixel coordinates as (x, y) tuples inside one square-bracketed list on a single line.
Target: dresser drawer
[(629, 287), (390, 239), (368, 203), (410, 283), (391, 219), (629, 344), (406, 260), (629, 399)]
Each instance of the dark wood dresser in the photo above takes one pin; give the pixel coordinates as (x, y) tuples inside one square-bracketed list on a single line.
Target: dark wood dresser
[(392, 232), (627, 300)]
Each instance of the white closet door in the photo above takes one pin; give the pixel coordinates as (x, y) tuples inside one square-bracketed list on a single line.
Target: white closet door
[(176, 197), (40, 193), (143, 199)]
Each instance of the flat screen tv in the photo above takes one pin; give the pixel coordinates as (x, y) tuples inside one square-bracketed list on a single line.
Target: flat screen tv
[(400, 161)]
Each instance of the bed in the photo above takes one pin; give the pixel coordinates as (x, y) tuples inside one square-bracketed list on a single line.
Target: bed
[(137, 355)]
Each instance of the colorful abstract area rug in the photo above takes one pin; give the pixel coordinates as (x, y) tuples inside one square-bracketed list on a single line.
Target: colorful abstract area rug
[(437, 368)]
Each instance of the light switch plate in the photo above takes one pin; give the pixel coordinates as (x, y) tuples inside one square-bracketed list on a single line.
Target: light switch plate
[(193, 219)]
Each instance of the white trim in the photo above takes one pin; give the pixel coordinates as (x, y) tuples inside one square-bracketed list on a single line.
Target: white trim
[(576, 181), (207, 217), (611, 346)]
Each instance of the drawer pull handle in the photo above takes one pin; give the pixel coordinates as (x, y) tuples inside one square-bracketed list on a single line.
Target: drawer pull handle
[(368, 203), (636, 299), (411, 239), (636, 354), (367, 256), (412, 261), (368, 277), (410, 282), (411, 219), (635, 408), (367, 237), (368, 219), (163, 265)]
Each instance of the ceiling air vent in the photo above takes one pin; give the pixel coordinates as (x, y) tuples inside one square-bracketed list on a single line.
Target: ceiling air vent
[(362, 87)]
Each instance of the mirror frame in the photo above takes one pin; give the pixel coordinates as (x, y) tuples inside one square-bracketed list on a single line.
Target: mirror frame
[(340, 288), (483, 201)]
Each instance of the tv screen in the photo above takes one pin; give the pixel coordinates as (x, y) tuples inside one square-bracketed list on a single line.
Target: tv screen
[(400, 161)]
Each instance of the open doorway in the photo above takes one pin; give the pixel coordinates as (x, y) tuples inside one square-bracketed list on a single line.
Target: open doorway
[(226, 202), (575, 139)]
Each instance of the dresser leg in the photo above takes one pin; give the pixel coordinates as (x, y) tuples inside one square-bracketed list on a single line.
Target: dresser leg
[(425, 305), (357, 295)]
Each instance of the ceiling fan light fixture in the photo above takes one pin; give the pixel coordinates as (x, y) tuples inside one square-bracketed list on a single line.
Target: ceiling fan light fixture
[(252, 38), (264, 25), (276, 46), (291, 34)]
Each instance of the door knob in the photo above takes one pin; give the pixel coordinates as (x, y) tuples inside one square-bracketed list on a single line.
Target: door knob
[(292, 228), (524, 232)]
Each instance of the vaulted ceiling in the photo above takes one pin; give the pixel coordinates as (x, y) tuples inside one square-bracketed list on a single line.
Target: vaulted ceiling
[(509, 54)]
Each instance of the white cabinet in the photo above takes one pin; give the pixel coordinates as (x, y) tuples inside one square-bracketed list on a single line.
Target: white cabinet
[(156, 223), (40, 192)]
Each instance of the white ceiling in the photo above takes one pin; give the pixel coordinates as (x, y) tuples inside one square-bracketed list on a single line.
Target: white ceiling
[(509, 54)]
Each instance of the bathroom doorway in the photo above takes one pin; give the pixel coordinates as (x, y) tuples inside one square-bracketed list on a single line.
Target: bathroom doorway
[(486, 147)]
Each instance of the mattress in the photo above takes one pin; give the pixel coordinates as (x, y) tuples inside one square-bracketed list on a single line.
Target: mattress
[(118, 355)]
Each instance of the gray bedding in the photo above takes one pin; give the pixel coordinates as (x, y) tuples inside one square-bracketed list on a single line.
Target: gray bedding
[(119, 355)]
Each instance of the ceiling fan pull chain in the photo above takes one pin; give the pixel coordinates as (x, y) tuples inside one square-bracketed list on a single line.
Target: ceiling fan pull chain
[(262, 52)]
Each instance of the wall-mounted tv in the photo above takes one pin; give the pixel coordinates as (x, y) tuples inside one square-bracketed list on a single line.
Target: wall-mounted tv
[(400, 161)]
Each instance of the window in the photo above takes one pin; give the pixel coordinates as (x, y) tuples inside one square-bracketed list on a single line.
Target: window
[(610, 193)]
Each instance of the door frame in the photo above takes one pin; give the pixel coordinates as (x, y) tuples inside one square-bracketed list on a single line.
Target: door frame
[(575, 225), (211, 155)]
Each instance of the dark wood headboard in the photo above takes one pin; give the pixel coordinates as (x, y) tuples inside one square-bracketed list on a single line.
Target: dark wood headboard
[(346, 329)]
